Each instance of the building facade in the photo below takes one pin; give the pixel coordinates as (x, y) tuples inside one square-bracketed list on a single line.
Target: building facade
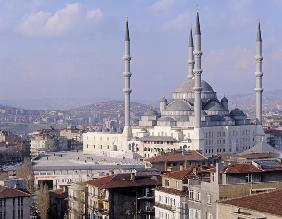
[(122, 196), (14, 203)]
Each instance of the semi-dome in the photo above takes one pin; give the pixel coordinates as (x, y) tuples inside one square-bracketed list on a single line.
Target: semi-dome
[(214, 106), (166, 119), (237, 112), (178, 105), (151, 112), (188, 86)]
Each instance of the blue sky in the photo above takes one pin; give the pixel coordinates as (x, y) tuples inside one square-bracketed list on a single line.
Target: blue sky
[(66, 49)]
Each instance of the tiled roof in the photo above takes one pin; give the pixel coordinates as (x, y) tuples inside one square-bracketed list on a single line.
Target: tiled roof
[(182, 174), (268, 202), (176, 156), (241, 168), (123, 181), (7, 192), (172, 191), (260, 155)]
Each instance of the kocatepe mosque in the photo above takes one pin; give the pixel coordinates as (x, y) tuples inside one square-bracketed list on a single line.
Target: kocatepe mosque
[(194, 118)]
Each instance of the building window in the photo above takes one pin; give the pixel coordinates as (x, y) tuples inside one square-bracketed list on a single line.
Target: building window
[(166, 182), (209, 201)]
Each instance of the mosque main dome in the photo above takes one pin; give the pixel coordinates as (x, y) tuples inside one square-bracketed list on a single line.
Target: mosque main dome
[(185, 91), (188, 85)]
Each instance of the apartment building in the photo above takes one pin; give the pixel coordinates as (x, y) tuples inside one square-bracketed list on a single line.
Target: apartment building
[(171, 199), (14, 203), (124, 196), (177, 160)]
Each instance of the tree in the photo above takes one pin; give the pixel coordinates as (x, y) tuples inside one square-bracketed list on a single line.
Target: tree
[(25, 172), (43, 201)]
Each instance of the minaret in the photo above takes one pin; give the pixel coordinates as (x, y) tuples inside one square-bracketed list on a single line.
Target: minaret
[(198, 135), (126, 75), (190, 56), (259, 89), (259, 75), (197, 74)]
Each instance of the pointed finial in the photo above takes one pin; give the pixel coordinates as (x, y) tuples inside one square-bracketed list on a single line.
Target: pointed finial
[(197, 28), (127, 38), (259, 33), (191, 44)]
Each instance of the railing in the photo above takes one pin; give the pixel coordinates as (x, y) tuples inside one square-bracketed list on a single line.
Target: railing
[(168, 207)]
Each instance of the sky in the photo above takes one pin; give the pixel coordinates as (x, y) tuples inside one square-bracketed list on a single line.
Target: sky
[(74, 49)]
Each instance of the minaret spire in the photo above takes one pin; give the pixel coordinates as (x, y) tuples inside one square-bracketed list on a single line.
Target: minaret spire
[(197, 74), (190, 56), (126, 75)]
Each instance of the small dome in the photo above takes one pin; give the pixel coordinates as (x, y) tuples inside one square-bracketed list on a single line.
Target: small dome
[(166, 119), (163, 99), (228, 118), (224, 99), (151, 112), (237, 112), (214, 106), (188, 86), (178, 105)]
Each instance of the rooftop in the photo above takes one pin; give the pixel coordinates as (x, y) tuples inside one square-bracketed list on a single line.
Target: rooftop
[(73, 160), (182, 174), (7, 192), (178, 156), (241, 168), (171, 191), (269, 202), (124, 181)]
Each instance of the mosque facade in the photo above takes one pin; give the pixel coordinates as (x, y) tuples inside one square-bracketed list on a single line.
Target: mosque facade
[(193, 119)]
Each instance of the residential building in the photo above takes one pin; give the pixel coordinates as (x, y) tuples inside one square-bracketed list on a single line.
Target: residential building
[(171, 199), (124, 196), (58, 203), (14, 203), (177, 160), (77, 201), (231, 180), (274, 138)]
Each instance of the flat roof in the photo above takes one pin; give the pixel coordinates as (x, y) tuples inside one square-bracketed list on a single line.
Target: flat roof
[(73, 160)]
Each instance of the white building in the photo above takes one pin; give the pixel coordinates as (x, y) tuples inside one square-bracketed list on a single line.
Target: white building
[(61, 169), (195, 118)]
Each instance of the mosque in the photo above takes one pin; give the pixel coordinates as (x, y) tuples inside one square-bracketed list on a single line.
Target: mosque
[(193, 119)]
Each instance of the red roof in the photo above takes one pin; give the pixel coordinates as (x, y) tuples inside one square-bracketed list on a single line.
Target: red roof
[(268, 202), (260, 155), (8, 192), (171, 191), (177, 156), (123, 181), (182, 174), (241, 168)]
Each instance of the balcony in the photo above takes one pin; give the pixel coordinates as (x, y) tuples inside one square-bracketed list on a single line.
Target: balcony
[(146, 210), (164, 206)]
